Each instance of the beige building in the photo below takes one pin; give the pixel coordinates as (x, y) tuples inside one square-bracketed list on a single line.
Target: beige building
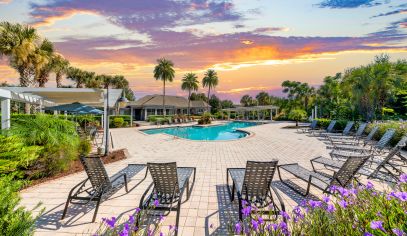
[(153, 105)]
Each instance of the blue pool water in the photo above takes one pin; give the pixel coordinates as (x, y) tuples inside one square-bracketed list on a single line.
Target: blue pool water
[(225, 131)]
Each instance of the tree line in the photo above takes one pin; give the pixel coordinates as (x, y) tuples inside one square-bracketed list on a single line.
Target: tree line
[(369, 92), (35, 58)]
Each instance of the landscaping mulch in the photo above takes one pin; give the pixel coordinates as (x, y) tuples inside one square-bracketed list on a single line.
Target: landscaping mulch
[(76, 167)]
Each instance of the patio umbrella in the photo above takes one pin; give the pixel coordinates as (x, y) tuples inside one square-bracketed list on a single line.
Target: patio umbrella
[(77, 108)]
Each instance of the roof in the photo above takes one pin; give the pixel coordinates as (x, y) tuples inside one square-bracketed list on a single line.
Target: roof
[(58, 96), (170, 101), (252, 108), (75, 107)]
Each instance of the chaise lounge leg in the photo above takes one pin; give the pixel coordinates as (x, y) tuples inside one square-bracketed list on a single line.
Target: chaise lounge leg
[(96, 210), (66, 208)]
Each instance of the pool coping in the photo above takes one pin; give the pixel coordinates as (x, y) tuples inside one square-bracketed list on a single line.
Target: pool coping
[(249, 133)]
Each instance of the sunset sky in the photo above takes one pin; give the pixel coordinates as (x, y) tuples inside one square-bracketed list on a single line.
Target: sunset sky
[(253, 44)]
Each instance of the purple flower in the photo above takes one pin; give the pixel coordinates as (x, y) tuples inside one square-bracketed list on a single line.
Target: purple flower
[(244, 203), (369, 185), (156, 203), (255, 225), (275, 226), (330, 208), (326, 199), (162, 218), (402, 196), (161, 234), (260, 219), (131, 220), (238, 228), (125, 231), (343, 203), (138, 210), (353, 191), (367, 234), (377, 225), (398, 232), (285, 215), (110, 222), (343, 192), (315, 204), (246, 211), (403, 178)]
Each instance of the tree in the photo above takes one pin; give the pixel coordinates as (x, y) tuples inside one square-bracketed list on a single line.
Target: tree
[(247, 101), (263, 98), (210, 80), (60, 66), (164, 71), (190, 82), (226, 104), (46, 52), (299, 93), (199, 97), (297, 115), (79, 76), (214, 102)]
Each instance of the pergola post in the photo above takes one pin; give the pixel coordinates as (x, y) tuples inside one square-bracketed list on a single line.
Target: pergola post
[(145, 114), (271, 114), (5, 113), (131, 116), (106, 121)]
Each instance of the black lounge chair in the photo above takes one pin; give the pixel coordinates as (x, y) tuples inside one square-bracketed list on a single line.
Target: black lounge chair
[(328, 129), (253, 184), (343, 150), (169, 184), (387, 169), (100, 187), (311, 127), (323, 181)]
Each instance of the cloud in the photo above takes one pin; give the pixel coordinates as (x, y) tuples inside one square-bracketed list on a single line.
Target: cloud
[(393, 30), (5, 1), (142, 15), (399, 11), (269, 30), (349, 3)]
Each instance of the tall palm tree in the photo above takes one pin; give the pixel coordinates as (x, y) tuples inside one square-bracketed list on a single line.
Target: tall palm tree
[(190, 82), (164, 71), (210, 80), (60, 66), (46, 54)]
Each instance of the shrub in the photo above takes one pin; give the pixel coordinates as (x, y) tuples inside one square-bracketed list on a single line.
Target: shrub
[(125, 118), (57, 137), (118, 122), (14, 219), (85, 147), (297, 115), (339, 125), (15, 155), (400, 127), (355, 211), (205, 119)]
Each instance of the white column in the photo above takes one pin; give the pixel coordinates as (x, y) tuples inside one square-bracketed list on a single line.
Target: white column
[(131, 116), (271, 114), (5, 113), (145, 114), (155, 111), (316, 112), (105, 120)]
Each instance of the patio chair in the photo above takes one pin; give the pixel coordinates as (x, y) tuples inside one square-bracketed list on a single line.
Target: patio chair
[(169, 184), (367, 140), (310, 128), (253, 184), (387, 164), (349, 138), (344, 132), (101, 185), (377, 148), (329, 129), (323, 181)]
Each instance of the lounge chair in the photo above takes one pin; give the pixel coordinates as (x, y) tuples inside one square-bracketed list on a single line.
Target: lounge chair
[(169, 183), (312, 127), (385, 167), (253, 184), (346, 138), (367, 140), (323, 181), (344, 132), (100, 184), (377, 148), (329, 129)]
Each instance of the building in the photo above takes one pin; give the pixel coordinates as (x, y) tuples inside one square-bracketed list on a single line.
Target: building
[(153, 105)]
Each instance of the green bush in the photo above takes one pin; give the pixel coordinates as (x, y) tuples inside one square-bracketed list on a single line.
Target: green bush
[(118, 122), (85, 147), (205, 119), (401, 129), (14, 219), (15, 155), (339, 125), (57, 137)]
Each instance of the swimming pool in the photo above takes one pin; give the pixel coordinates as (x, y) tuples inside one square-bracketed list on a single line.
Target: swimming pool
[(225, 131)]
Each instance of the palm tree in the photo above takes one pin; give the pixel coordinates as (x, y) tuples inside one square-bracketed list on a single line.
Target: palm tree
[(18, 42), (60, 66), (164, 71), (46, 54), (79, 76), (210, 80), (190, 82)]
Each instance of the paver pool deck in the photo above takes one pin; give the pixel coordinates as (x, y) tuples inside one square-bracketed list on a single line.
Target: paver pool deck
[(209, 209)]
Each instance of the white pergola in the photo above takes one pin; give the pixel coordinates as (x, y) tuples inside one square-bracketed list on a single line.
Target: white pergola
[(245, 110), (58, 96)]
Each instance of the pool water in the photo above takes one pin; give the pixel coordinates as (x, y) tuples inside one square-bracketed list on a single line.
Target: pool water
[(225, 131)]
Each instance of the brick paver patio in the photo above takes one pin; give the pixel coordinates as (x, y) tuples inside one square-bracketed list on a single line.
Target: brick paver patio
[(209, 210)]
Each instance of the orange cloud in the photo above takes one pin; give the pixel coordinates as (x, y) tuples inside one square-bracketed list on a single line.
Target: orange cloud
[(63, 14)]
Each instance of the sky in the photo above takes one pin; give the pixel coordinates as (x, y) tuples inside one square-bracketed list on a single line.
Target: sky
[(254, 45)]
